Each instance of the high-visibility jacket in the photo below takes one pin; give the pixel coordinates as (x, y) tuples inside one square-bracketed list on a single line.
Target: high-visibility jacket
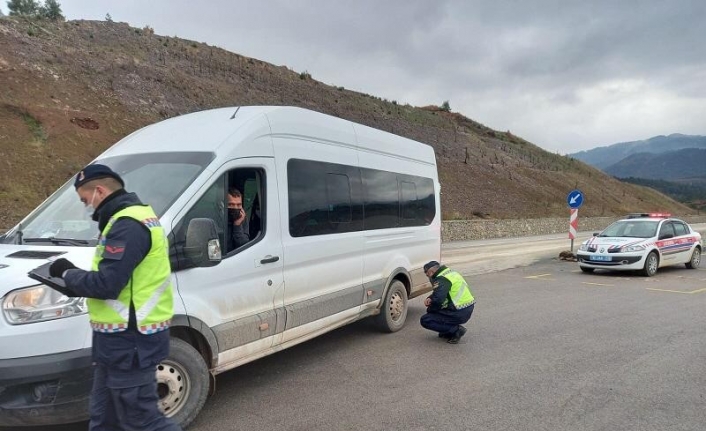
[(459, 293), (149, 287)]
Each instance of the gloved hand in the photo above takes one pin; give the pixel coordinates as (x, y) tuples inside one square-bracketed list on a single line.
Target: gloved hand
[(59, 266)]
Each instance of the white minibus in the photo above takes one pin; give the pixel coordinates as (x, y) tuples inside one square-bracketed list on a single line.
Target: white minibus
[(341, 219)]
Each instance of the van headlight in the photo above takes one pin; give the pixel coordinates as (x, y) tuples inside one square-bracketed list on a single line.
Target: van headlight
[(38, 304), (583, 247)]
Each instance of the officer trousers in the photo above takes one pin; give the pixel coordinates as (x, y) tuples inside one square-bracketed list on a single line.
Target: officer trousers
[(126, 401), (446, 321)]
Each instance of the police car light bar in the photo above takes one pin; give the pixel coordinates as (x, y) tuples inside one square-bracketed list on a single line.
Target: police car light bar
[(654, 215)]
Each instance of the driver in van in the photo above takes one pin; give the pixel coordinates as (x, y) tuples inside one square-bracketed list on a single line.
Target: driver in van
[(239, 231), (130, 303)]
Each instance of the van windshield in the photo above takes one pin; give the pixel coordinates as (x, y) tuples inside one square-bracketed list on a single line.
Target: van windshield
[(157, 178)]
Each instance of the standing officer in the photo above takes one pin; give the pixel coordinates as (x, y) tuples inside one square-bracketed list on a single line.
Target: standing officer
[(450, 304), (129, 302)]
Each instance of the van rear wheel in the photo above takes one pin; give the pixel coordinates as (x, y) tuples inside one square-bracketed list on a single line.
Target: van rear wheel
[(182, 382), (393, 312)]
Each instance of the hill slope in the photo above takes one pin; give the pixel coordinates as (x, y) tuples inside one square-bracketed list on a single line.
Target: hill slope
[(72, 89), (602, 157)]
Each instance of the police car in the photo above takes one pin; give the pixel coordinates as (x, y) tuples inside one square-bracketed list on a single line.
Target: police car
[(643, 242)]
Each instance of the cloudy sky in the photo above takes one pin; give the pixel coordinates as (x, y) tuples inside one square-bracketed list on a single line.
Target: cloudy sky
[(566, 75)]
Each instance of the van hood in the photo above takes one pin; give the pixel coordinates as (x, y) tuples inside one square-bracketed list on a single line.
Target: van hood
[(17, 260)]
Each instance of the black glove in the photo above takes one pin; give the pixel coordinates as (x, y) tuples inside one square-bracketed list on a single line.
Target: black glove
[(59, 266)]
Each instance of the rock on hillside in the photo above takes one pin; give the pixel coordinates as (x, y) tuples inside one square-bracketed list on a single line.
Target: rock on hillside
[(71, 89)]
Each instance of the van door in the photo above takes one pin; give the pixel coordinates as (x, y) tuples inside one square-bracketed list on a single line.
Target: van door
[(322, 238), (241, 297)]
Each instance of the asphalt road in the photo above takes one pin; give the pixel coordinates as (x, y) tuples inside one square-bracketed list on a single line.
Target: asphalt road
[(548, 348)]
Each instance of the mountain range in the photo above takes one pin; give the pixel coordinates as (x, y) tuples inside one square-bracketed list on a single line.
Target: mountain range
[(71, 89), (673, 164), (603, 157)]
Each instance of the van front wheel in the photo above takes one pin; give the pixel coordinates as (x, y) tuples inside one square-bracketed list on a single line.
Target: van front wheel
[(393, 311), (182, 382)]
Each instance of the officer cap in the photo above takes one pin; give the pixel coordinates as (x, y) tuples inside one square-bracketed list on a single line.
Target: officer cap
[(94, 172), (430, 265)]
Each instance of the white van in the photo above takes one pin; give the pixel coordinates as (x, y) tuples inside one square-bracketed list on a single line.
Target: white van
[(342, 217)]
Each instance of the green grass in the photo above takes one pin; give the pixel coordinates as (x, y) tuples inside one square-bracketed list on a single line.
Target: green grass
[(35, 127)]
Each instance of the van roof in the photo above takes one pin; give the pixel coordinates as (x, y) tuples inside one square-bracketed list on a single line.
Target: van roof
[(198, 131), (208, 130)]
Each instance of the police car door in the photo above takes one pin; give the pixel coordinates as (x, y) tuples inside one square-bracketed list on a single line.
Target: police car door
[(667, 243), (240, 298)]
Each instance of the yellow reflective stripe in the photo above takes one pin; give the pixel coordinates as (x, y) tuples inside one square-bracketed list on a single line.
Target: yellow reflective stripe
[(149, 305)]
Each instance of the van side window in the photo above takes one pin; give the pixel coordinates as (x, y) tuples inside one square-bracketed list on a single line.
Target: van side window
[(249, 183), (408, 200), (324, 198), (338, 195), (328, 198), (382, 199)]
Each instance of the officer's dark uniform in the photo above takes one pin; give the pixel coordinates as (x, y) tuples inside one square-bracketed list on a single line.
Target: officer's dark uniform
[(451, 306), (124, 394)]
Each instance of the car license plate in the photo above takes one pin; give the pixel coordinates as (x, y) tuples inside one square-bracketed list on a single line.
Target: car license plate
[(601, 258)]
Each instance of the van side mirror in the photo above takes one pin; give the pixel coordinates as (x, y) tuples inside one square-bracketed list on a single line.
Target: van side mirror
[(202, 247), (596, 233), (666, 236)]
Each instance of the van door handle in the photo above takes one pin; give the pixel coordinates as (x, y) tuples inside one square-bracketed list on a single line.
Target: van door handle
[(269, 259)]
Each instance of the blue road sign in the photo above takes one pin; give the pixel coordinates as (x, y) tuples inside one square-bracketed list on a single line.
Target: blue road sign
[(575, 198)]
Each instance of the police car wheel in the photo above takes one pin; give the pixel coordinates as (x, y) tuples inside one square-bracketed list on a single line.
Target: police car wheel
[(651, 265), (393, 311), (695, 260), (182, 382)]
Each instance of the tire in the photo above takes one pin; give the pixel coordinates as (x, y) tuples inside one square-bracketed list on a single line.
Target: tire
[(695, 260), (651, 264), (393, 311), (586, 269), (182, 382)]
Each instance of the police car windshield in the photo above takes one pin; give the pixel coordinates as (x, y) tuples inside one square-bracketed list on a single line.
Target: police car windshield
[(157, 178), (632, 229)]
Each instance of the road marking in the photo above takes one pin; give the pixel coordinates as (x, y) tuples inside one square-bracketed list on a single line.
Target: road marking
[(677, 291), (537, 276), (597, 284)]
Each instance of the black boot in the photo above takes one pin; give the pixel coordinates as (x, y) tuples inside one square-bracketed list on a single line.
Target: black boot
[(456, 337)]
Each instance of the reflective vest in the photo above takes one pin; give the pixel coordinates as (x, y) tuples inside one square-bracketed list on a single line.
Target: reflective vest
[(459, 293), (149, 287)]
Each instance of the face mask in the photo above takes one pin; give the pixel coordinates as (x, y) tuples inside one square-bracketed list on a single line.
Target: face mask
[(233, 215), (90, 211)]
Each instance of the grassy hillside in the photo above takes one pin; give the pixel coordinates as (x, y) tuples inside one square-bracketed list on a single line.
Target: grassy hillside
[(71, 89)]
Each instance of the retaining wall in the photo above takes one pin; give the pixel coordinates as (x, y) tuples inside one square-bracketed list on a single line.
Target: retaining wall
[(456, 230)]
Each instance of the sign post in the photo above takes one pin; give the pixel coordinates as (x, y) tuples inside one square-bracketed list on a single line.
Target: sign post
[(574, 200)]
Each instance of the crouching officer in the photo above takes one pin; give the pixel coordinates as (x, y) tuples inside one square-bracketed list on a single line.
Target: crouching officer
[(129, 303), (450, 304)]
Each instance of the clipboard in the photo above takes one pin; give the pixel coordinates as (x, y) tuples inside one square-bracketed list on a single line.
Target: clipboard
[(41, 274)]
